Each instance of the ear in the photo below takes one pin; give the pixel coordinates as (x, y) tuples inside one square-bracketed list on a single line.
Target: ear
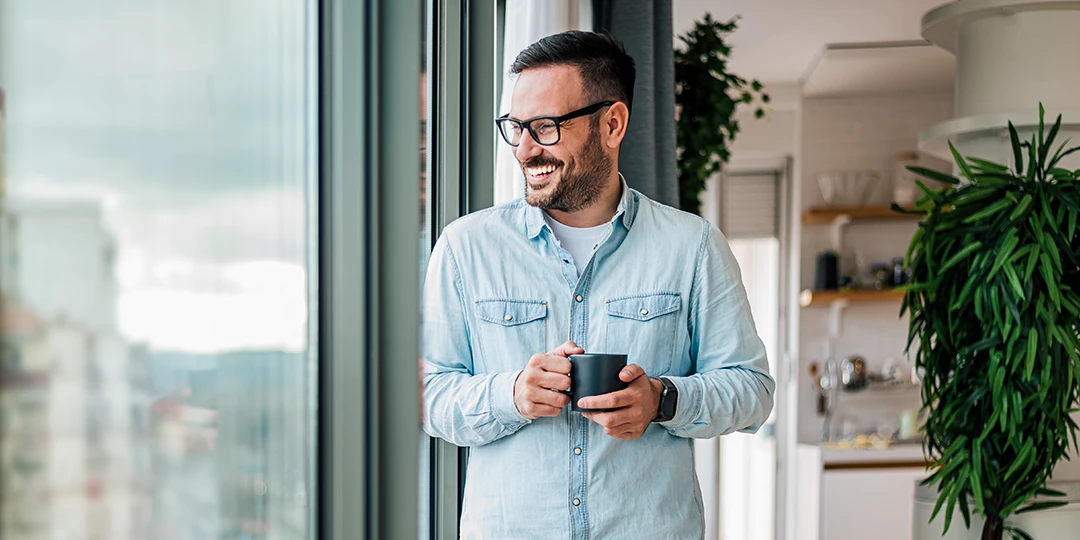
[(613, 124)]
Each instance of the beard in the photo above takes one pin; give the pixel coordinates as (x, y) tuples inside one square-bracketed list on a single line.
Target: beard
[(580, 182)]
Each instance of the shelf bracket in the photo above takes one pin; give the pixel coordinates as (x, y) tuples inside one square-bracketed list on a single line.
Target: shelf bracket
[(836, 231), (836, 311)]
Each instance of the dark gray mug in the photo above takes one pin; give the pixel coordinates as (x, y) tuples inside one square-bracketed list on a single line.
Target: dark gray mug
[(593, 375)]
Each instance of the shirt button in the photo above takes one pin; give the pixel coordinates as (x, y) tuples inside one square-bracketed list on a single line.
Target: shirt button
[(579, 298), (577, 502), (577, 451), (509, 317), (644, 312)]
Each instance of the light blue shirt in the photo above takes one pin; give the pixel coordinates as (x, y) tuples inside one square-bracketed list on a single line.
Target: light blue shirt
[(663, 288)]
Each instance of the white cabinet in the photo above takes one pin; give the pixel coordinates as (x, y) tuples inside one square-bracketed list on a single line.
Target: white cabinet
[(868, 503), (857, 494)]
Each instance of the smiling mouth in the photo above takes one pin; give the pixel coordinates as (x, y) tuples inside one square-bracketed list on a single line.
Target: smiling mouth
[(539, 174)]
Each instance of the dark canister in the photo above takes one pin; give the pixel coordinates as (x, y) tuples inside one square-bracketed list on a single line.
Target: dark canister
[(827, 273)]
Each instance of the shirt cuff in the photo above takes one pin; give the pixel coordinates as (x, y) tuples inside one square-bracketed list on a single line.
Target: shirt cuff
[(689, 405), (501, 393)]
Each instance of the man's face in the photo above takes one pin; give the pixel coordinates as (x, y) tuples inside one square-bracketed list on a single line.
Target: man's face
[(569, 175)]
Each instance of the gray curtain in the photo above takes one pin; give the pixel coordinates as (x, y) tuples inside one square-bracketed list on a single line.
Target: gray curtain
[(647, 158)]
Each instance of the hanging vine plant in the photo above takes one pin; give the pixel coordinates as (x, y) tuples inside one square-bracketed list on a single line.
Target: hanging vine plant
[(706, 98)]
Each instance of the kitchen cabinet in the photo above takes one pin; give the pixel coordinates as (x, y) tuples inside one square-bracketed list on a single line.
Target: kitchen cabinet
[(858, 494), (871, 502)]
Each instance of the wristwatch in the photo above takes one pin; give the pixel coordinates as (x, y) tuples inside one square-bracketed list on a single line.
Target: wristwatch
[(669, 401)]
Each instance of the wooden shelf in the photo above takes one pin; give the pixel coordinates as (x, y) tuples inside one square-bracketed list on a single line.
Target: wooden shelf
[(827, 215), (809, 298)]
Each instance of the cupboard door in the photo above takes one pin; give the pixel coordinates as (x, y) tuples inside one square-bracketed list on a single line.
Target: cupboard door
[(868, 503)]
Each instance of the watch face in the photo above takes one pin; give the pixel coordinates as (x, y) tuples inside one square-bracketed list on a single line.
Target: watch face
[(668, 400)]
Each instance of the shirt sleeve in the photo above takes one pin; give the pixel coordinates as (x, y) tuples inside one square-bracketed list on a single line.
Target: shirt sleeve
[(461, 407), (730, 389)]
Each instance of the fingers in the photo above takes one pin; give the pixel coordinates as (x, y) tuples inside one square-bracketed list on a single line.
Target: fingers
[(534, 402), (614, 400), (631, 372), (635, 407), (637, 390), (619, 425), (537, 389), (544, 396), (566, 349), (549, 362)]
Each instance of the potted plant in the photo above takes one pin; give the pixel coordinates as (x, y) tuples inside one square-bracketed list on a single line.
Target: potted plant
[(706, 97), (994, 301)]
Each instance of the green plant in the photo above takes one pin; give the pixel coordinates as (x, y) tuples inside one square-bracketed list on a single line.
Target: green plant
[(706, 96), (994, 301)]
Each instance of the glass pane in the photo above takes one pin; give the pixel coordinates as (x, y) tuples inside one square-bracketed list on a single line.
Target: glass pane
[(425, 469), (158, 290)]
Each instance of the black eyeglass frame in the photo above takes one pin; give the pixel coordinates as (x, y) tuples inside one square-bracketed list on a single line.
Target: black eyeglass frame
[(558, 120)]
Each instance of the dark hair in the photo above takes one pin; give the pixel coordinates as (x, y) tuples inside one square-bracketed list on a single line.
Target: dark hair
[(607, 71)]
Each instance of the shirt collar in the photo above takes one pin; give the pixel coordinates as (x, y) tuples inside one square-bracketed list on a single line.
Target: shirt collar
[(534, 217)]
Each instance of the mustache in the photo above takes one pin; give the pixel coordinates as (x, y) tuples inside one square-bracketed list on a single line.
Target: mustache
[(540, 161)]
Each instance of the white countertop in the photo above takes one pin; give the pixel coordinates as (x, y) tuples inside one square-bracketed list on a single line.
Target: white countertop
[(893, 455)]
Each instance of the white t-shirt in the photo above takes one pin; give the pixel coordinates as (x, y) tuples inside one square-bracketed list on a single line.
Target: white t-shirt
[(580, 242)]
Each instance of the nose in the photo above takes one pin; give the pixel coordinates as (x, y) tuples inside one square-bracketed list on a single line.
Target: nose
[(527, 148)]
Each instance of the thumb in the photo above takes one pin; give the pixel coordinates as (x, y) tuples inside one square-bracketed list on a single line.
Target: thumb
[(631, 372), (566, 349)]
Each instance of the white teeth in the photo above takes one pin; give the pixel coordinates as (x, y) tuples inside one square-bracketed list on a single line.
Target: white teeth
[(541, 170)]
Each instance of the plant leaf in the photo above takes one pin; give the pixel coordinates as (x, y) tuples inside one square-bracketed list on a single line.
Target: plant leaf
[(1018, 154), (988, 166), (934, 175), (1044, 146), (960, 162), (1041, 505), (960, 255), (1047, 492), (1033, 164), (1019, 533), (1042, 129), (1025, 201), (1057, 154)]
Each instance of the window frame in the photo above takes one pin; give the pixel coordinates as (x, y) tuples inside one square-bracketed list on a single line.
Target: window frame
[(368, 267), (462, 104)]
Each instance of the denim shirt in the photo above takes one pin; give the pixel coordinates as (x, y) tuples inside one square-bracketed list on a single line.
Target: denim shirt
[(664, 288)]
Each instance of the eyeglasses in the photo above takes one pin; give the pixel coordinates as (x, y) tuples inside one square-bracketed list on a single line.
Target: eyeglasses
[(545, 130)]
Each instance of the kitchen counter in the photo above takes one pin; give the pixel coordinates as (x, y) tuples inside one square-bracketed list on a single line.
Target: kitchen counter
[(897, 453), (895, 456), (844, 493)]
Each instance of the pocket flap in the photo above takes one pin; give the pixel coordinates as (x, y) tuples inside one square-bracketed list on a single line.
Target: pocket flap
[(511, 312), (642, 307)]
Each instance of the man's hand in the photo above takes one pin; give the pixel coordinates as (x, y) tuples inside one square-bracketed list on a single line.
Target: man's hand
[(538, 389), (637, 405)]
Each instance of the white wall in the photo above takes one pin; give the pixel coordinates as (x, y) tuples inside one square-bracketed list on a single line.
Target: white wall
[(856, 133), (747, 467)]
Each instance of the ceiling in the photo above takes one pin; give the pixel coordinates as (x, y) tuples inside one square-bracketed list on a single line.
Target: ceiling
[(779, 41), (880, 68)]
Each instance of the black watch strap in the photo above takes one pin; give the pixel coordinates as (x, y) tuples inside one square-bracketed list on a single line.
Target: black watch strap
[(669, 401)]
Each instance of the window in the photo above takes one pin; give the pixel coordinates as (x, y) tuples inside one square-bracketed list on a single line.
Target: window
[(159, 164)]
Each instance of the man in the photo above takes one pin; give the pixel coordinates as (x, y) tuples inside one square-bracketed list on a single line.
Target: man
[(587, 262)]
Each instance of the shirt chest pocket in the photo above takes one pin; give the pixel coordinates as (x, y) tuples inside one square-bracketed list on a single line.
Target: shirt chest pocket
[(510, 331), (644, 328)]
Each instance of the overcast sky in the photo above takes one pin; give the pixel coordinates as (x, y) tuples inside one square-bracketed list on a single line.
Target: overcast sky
[(188, 121)]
